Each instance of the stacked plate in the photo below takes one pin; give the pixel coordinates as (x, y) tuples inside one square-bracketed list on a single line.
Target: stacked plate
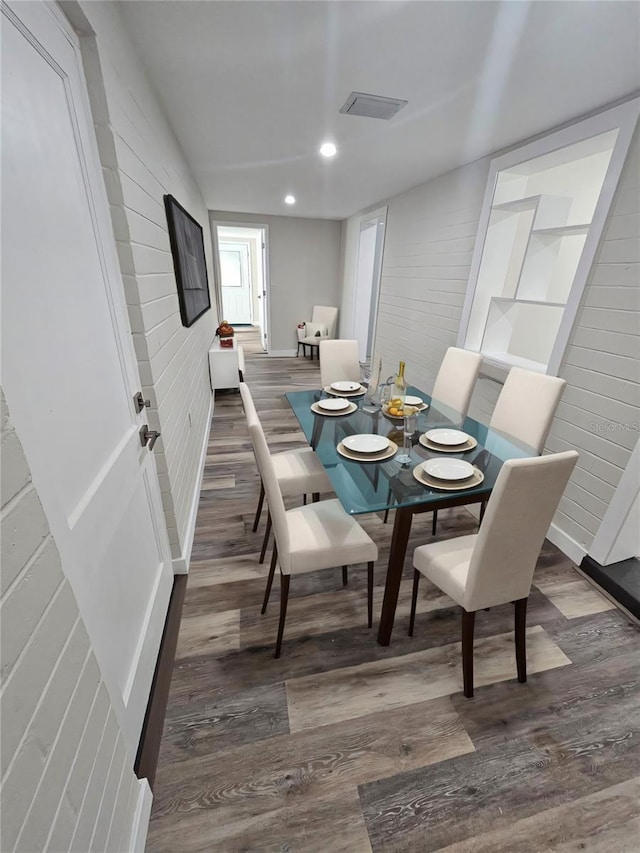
[(367, 447), (448, 440), (448, 474), (345, 388), (334, 407)]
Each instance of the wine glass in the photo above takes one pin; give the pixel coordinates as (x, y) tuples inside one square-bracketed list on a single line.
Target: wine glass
[(410, 425)]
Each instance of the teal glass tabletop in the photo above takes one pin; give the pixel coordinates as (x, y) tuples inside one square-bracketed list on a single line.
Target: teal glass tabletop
[(375, 486)]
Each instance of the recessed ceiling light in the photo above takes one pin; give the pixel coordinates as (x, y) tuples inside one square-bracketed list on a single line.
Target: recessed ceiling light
[(328, 149), (289, 199)]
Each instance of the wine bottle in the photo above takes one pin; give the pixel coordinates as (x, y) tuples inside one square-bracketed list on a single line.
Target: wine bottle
[(399, 391)]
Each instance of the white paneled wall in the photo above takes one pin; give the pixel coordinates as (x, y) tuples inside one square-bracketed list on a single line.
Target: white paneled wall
[(429, 242), (600, 410), (431, 232), (142, 161), (67, 781)]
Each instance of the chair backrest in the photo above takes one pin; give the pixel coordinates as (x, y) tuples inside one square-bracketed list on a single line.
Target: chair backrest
[(267, 471), (520, 509), (326, 315), (526, 406), (339, 360), (247, 402), (456, 379)]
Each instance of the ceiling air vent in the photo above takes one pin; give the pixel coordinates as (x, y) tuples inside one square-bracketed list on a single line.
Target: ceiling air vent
[(372, 106)]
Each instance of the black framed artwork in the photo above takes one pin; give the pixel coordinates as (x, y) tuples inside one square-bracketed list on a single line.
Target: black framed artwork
[(187, 248)]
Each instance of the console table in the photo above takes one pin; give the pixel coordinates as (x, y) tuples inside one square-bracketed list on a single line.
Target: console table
[(226, 365)]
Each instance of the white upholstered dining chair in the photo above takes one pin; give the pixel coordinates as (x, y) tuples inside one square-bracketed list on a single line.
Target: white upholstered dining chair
[(526, 406), (308, 538), (524, 411), (323, 325), (339, 360), (496, 565), (456, 380), (299, 472)]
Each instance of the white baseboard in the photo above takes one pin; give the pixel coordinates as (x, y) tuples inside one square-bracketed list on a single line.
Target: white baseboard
[(281, 353), (140, 828), (569, 547), (181, 563)]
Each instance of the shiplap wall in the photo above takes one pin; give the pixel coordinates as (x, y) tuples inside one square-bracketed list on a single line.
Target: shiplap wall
[(431, 232), (142, 161), (67, 781), (429, 242), (599, 413)]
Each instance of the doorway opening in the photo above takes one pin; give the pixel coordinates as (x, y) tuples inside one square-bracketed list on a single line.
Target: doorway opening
[(242, 261), (368, 272)]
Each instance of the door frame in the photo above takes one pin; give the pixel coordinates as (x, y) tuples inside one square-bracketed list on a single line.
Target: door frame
[(379, 216), (224, 223)]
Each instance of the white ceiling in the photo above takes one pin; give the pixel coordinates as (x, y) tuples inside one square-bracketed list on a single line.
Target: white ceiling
[(252, 88)]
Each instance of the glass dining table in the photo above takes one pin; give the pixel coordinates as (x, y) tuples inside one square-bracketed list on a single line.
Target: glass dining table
[(380, 486)]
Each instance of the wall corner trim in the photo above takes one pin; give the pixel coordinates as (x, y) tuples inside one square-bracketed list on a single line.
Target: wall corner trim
[(140, 828), (181, 563)]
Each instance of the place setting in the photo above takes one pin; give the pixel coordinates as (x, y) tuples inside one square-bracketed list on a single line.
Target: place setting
[(448, 474), (448, 441), (333, 407), (345, 388), (367, 447)]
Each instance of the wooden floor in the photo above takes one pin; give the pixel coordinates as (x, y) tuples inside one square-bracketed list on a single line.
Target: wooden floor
[(342, 745)]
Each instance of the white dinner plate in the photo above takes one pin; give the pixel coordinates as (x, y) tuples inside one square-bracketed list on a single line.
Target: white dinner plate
[(448, 469), (346, 386), (366, 443), (334, 404), (449, 437), (413, 401)]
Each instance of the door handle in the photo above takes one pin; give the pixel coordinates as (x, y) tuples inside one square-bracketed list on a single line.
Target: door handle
[(148, 436), (140, 403)]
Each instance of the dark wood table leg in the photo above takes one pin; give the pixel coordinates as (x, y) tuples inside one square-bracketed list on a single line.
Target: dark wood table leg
[(399, 540)]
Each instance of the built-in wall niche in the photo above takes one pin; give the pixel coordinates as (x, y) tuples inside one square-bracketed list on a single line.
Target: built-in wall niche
[(542, 218)]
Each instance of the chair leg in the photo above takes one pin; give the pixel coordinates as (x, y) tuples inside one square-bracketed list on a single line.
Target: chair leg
[(434, 521), (315, 497), (386, 512), (345, 576), (521, 648), (468, 620), (284, 598), (483, 507), (256, 520), (265, 541), (414, 600), (370, 594), (304, 500), (272, 571)]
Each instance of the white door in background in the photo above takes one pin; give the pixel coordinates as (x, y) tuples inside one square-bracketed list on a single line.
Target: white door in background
[(68, 366), (368, 269), (262, 296), (236, 282)]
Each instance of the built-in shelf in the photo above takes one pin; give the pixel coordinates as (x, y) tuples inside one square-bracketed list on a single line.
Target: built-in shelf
[(562, 230), (538, 212)]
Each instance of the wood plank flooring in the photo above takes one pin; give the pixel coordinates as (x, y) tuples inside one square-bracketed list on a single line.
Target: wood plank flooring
[(342, 745)]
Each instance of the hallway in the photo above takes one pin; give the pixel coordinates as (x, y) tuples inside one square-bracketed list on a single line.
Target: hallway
[(345, 745)]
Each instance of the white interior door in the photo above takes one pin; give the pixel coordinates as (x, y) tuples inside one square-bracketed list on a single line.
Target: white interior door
[(68, 366), (236, 285)]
